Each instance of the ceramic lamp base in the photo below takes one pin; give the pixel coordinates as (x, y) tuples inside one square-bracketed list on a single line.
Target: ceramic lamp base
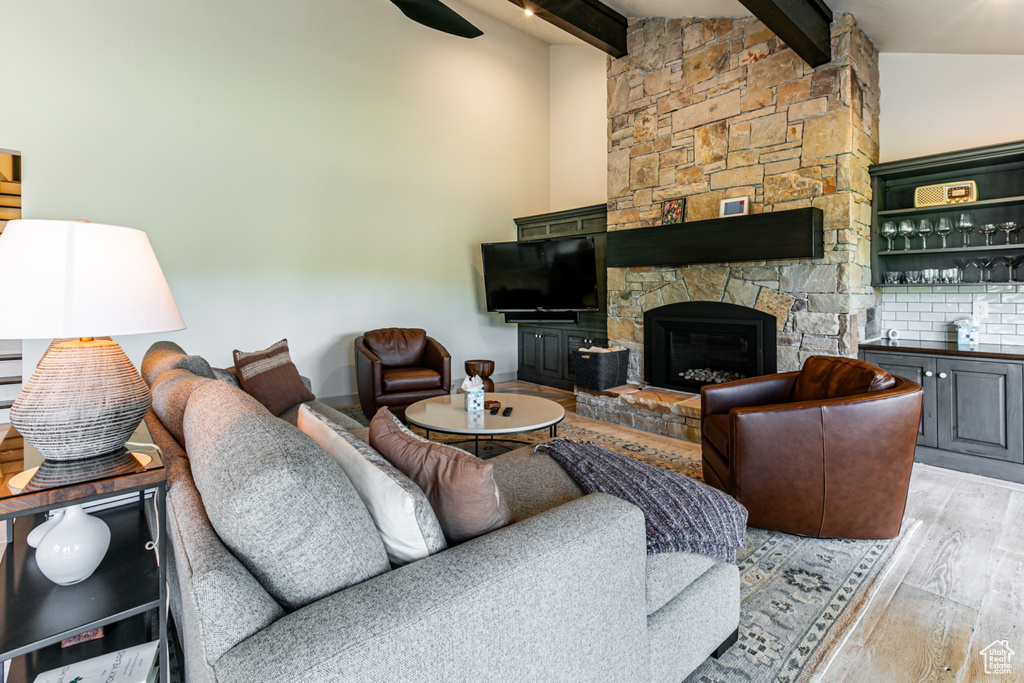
[(84, 399)]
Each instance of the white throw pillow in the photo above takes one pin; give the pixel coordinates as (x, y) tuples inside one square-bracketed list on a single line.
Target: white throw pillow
[(406, 522)]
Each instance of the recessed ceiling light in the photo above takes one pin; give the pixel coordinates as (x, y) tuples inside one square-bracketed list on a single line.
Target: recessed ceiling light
[(529, 12)]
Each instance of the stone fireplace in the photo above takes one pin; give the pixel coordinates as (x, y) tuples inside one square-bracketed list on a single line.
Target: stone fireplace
[(709, 109), (690, 344)]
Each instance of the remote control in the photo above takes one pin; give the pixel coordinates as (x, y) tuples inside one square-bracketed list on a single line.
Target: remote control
[(494, 410), (507, 411)]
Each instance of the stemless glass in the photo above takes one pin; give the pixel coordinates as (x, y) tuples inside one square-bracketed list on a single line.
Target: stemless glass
[(988, 229), (944, 227), (924, 228), (889, 231), (1009, 227), (1013, 263), (965, 225), (907, 231)]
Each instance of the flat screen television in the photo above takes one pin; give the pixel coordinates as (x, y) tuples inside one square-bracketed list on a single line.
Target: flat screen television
[(541, 275)]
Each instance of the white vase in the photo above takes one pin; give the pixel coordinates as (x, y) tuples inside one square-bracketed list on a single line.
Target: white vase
[(73, 547), (37, 534)]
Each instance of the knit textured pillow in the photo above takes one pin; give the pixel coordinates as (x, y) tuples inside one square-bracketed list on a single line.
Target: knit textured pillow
[(271, 378)]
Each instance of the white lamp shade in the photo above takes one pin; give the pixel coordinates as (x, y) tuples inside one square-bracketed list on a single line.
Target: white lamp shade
[(75, 279)]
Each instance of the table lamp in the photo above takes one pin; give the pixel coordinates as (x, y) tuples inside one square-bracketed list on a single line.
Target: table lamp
[(81, 280)]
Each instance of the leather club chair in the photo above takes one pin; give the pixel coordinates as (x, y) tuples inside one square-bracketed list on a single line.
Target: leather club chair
[(826, 451), (396, 367)]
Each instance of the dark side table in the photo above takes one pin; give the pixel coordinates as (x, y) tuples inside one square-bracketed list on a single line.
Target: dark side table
[(125, 591)]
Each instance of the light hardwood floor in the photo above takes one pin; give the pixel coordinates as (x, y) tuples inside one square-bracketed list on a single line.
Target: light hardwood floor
[(956, 588)]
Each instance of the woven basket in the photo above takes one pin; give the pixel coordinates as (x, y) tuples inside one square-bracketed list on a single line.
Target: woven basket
[(84, 399)]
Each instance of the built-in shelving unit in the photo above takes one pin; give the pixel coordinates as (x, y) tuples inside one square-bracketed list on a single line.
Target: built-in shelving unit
[(997, 170)]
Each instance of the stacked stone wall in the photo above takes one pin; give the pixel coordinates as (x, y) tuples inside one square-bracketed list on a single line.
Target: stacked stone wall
[(705, 109)]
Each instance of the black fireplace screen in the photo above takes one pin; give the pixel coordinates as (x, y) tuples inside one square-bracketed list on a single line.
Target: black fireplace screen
[(691, 344), (708, 357)]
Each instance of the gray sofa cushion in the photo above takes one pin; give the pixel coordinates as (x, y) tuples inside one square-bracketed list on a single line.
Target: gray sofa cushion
[(277, 500), (170, 396), (165, 355), (533, 484)]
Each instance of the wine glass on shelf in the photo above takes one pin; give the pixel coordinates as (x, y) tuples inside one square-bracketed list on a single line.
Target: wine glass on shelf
[(889, 231), (987, 263), (1013, 263), (943, 227), (988, 229), (965, 224), (962, 264), (1009, 227), (907, 231), (924, 228)]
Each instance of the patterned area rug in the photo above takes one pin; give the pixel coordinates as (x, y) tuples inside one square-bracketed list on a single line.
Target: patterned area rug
[(801, 597)]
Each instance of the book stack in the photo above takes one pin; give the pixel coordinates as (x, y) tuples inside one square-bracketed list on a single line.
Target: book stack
[(133, 665)]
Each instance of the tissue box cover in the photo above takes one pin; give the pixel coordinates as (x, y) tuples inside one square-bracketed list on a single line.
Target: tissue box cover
[(599, 371), (967, 335), (474, 400)]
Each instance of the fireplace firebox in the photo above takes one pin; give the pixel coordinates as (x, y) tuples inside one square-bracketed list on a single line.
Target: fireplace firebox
[(690, 344)]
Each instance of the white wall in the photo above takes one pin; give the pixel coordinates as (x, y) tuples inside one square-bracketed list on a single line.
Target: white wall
[(307, 170), (579, 127), (941, 103)]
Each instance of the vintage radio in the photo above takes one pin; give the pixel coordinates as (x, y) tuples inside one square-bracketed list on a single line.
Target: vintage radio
[(946, 193)]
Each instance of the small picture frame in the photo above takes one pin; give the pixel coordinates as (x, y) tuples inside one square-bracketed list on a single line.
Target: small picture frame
[(672, 211), (734, 206)]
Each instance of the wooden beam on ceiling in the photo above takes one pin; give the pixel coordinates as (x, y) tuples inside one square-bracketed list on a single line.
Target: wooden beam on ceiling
[(589, 20), (804, 25)]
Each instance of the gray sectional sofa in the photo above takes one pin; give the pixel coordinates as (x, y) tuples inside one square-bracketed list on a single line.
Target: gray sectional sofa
[(565, 593)]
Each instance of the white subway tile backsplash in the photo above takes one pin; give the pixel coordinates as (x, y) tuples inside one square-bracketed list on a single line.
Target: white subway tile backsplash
[(927, 313)]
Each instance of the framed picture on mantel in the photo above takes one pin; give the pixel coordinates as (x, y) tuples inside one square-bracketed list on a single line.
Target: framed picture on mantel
[(734, 206), (672, 211)]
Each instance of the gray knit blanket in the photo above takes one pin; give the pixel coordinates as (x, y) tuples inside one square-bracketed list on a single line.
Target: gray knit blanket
[(682, 514)]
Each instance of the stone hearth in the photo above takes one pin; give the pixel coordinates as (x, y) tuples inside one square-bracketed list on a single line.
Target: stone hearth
[(659, 411)]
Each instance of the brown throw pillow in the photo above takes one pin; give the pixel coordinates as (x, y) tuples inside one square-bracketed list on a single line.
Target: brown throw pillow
[(271, 378), (460, 487)]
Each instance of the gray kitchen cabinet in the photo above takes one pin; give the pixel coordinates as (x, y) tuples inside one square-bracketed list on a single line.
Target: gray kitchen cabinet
[(979, 408), (920, 369), (973, 417)]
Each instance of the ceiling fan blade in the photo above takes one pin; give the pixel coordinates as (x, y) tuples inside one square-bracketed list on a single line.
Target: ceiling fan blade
[(437, 15)]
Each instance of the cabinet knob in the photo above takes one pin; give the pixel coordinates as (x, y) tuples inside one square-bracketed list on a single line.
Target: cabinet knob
[(942, 375), (928, 373)]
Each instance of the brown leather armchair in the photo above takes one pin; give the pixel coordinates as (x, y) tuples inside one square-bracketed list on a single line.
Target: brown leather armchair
[(396, 367), (826, 451)]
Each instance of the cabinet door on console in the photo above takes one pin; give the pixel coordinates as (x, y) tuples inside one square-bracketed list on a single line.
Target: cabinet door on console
[(980, 404), (916, 368), (529, 350), (551, 353)]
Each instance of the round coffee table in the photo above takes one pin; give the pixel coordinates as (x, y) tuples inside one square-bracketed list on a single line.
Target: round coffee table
[(448, 415)]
